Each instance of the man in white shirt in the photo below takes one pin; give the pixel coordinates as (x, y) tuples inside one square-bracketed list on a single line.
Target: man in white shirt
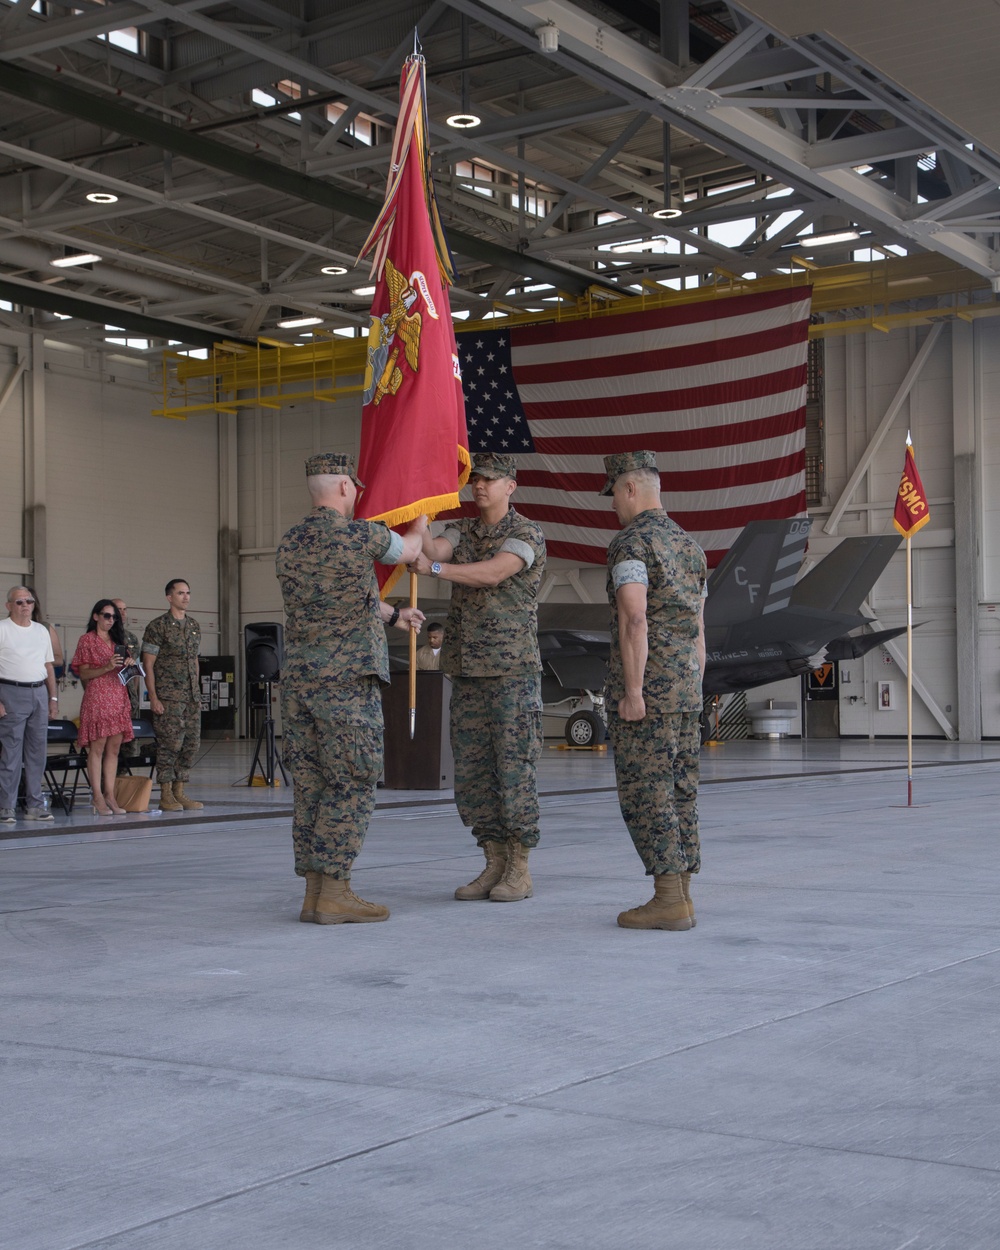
[(28, 701)]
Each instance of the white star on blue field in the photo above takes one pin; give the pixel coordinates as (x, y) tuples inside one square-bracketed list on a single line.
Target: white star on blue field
[(493, 410)]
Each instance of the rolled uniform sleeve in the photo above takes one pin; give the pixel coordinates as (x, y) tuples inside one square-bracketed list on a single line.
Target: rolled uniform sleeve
[(629, 572), (518, 547), (393, 552)]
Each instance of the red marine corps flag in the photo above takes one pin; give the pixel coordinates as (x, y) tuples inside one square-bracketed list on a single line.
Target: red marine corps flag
[(414, 445), (912, 511)]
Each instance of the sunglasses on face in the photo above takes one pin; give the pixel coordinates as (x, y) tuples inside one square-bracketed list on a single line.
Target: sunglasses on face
[(108, 616), (24, 603)]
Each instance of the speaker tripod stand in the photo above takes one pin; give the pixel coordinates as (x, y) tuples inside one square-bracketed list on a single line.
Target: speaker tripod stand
[(265, 739)]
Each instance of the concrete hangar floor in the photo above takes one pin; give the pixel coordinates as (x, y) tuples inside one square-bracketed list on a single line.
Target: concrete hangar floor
[(811, 1068)]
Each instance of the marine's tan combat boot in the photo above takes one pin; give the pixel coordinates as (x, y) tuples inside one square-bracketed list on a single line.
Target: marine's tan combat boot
[(167, 801), (516, 882), (667, 908), (686, 891), (189, 805), (338, 904), (308, 913), (496, 862)]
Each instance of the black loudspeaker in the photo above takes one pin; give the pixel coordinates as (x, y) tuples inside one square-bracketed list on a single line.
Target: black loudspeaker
[(264, 642)]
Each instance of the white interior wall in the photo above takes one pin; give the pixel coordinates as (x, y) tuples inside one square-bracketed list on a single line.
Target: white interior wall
[(131, 499)]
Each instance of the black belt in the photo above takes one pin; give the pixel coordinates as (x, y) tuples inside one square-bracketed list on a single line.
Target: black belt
[(30, 684)]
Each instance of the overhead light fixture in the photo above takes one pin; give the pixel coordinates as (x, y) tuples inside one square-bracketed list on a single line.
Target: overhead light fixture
[(334, 270), (548, 37), (465, 119), (665, 213), (831, 236), (363, 290), (74, 258), (102, 197), (298, 319)]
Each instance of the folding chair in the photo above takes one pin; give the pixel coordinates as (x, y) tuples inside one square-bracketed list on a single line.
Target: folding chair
[(145, 735), (60, 763)]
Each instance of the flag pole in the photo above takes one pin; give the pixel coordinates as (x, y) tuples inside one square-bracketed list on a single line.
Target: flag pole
[(909, 676), (911, 513), (413, 660)]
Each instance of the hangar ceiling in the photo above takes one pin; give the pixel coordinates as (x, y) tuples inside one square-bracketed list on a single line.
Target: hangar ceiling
[(223, 161)]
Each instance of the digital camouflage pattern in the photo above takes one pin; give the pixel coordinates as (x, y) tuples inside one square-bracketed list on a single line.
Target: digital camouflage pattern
[(676, 571), (333, 744), (331, 708), (656, 768), (496, 738), (493, 464), (175, 644), (333, 627), (624, 462), (492, 631), (657, 758), (178, 737), (491, 653)]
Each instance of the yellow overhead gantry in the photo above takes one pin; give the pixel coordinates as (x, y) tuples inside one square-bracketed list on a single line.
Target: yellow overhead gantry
[(846, 299)]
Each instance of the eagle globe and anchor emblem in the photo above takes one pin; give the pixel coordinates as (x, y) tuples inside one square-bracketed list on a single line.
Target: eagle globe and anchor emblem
[(395, 331)]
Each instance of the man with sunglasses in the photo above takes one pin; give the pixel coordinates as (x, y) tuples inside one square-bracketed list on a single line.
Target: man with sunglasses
[(28, 701)]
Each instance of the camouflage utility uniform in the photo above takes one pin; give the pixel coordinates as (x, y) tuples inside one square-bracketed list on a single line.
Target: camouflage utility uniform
[(656, 758), (175, 644), (491, 654), (131, 748), (335, 662)]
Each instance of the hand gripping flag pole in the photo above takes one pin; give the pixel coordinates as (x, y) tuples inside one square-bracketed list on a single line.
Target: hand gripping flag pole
[(910, 515), (414, 443)]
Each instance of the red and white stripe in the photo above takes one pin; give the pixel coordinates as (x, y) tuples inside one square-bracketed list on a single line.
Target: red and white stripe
[(716, 389)]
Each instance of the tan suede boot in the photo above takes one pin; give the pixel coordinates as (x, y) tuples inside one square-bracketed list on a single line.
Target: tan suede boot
[(496, 862), (516, 882), (338, 904), (167, 801), (667, 908), (189, 805), (686, 890), (308, 913)]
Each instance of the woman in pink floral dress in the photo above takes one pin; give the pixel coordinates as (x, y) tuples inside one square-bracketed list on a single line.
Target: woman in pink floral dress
[(106, 714)]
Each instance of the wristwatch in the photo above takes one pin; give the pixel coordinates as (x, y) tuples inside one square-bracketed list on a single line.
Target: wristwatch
[(436, 569)]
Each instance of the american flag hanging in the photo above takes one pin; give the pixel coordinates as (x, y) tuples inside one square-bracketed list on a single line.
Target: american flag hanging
[(716, 389)]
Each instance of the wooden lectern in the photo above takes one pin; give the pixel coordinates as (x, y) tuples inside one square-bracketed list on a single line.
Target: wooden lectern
[(426, 763)]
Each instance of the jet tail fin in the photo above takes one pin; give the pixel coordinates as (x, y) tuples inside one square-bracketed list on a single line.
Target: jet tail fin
[(758, 572), (842, 580)]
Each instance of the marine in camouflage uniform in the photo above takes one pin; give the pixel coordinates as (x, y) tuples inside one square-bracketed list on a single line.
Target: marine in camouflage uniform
[(495, 562), (170, 647), (336, 661), (656, 589)]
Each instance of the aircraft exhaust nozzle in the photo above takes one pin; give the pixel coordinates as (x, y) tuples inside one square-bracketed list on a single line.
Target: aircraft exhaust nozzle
[(853, 648)]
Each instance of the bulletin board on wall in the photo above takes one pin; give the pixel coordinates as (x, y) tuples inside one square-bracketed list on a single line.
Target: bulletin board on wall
[(218, 693)]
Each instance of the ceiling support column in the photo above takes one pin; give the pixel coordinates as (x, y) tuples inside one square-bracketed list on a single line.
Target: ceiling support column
[(230, 636), (966, 392), (35, 541)]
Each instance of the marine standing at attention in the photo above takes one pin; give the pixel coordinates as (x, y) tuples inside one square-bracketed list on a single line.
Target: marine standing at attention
[(495, 562), (336, 661), (170, 646), (656, 588)]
